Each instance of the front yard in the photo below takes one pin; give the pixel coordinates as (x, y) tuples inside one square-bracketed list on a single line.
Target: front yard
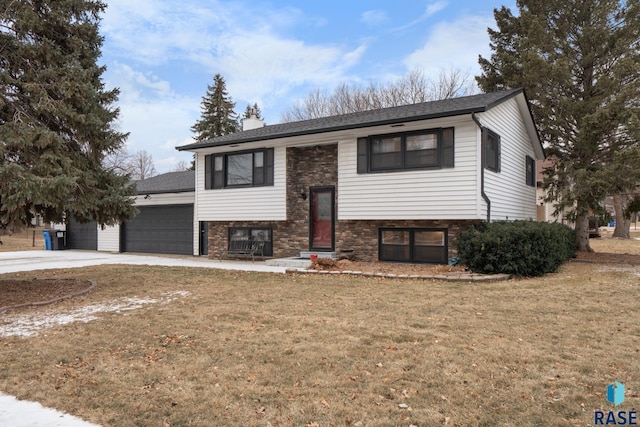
[(194, 347)]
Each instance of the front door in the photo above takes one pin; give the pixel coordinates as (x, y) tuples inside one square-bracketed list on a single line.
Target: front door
[(322, 217), (204, 238)]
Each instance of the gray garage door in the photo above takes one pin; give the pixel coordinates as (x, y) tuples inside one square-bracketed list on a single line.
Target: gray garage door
[(82, 236), (159, 229)]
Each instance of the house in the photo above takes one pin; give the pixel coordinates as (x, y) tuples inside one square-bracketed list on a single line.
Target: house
[(164, 223), (546, 210), (394, 184)]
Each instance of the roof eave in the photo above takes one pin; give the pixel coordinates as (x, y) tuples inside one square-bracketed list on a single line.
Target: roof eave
[(197, 146), (182, 190)]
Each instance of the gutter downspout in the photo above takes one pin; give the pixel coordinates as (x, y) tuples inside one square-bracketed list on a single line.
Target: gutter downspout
[(482, 144)]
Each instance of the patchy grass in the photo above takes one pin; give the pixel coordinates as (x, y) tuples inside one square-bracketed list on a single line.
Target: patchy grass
[(195, 347), (616, 245), (24, 240)]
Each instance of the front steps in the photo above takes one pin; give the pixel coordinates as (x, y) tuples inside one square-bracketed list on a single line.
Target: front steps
[(303, 261)]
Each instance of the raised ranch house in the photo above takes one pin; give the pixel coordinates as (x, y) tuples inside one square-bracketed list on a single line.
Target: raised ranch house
[(394, 184)]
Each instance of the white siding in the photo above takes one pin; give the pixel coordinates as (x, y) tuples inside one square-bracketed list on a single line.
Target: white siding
[(109, 239), (166, 199), (449, 193), (511, 197), (266, 203)]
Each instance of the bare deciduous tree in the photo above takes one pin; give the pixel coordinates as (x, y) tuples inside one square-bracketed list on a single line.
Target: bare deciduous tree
[(137, 166), (181, 166), (413, 88), (142, 165), (118, 161)]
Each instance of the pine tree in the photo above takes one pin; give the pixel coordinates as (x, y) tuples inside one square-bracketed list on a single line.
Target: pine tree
[(579, 61), (218, 117), (56, 118), (249, 111)]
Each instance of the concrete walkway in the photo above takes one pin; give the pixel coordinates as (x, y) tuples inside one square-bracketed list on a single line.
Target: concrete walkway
[(18, 413)]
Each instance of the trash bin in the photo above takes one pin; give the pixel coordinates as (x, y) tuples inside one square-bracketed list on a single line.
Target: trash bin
[(57, 239), (47, 240)]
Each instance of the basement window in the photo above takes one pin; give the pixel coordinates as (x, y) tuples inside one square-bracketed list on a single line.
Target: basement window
[(258, 234), (415, 245)]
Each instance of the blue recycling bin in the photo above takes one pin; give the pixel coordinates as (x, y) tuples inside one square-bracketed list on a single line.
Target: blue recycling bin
[(47, 240)]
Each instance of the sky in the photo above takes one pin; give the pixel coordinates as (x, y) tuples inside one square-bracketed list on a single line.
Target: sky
[(162, 55)]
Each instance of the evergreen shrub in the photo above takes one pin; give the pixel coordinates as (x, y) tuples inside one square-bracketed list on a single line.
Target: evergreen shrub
[(521, 248)]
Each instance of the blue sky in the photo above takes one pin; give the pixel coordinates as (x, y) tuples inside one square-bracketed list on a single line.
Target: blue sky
[(162, 54)]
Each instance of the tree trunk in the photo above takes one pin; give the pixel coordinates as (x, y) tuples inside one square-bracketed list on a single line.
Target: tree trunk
[(623, 225), (582, 234)]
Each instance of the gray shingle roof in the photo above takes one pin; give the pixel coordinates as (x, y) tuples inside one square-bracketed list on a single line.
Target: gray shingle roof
[(172, 182), (401, 114)]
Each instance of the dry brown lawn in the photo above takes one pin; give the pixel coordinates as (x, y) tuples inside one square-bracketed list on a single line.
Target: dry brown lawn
[(23, 240), (157, 346), (608, 244)]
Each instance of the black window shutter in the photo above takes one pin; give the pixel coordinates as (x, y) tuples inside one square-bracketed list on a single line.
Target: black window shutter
[(362, 155), (269, 167), (499, 156), (531, 171), (208, 170), (448, 151)]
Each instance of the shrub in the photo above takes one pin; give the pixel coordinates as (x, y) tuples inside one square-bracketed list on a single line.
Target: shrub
[(522, 248)]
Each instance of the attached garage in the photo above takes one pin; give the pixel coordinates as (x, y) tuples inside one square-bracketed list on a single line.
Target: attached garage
[(164, 224), (82, 235), (159, 229)]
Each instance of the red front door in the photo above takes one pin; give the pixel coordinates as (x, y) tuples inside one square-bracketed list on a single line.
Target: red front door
[(322, 218)]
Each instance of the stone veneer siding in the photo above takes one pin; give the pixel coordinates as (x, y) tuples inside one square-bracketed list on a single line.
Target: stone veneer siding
[(361, 237), (317, 166), (314, 166)]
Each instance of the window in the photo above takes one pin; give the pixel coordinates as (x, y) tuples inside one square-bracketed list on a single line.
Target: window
[(244, 169), (422, 245), (432, 148), (386, 153), (253, 234), (531, 171), (491, 150)]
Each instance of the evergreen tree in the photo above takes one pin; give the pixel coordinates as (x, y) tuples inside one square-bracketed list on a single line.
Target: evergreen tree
[(56, 118), (218, 117), (579, 61), (249, 111)]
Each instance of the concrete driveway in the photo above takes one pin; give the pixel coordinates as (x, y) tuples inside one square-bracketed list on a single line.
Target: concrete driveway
[(11, 262)]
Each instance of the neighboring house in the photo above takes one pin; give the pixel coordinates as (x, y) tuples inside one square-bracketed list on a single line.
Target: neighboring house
[(164, 223), (394, 184), (546, 210)]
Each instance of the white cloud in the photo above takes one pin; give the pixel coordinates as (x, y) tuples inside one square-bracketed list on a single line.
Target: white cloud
[(374, 17), (455, 45), (157, 118), (149, 42), (155, 32), (156, 126), (249, 47), (432, 9), (135, 84), (270, 66)]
